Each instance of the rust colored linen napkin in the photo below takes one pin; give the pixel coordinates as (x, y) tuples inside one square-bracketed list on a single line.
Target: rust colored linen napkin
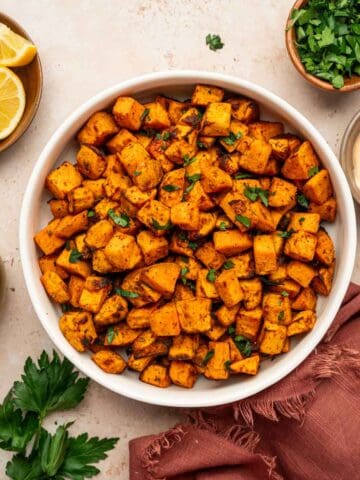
[(305, 427)]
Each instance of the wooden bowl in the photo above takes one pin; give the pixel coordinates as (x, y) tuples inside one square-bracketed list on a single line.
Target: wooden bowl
[(350, 85), (31, 77)]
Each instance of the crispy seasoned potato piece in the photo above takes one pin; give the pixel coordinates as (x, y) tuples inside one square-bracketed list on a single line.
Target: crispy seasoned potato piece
[(78, 329), (99, 234), (152, 247), (226, 316), (157, 116), (216, 120), (94, 293), (194, 315), (109, 361), (120, 140), (302, 322), (323, 281), (183, 374), (265, 130), (164, 321), (62, 180), (185, 215), (47, 263), (306, 300), (300, 163), (156, 216), (77, 267), (121, 335), (289, 286), (143, 293), (161, 277), (252, 293), (205, 94), (232, 242), (281, 193), (319, 189), (144, 340), (113, 310), (138, 364), (172, 187), (230, 143), (229, 288), (55, 287), (264, 254), (326, 210), (209, 256), (272, 338), (137, 197), (215, 332), (254, 156), (156, 375), (140, 317), (75, 287), (128, 113), (123, 252), (207, 223), (72, 224), (324, 251), (243, 265), (249, 365), (59, 208), (102, 208), (215, 368), (309, 222), (248, 323), (244, 109), (143, 170), (184, 347), (205, 288), (81, 198), (276, 309), (301, 246), (91, 163), (215, 180), (301, 272), (284, 145), (100, 263), (198, 197), (97, 129)]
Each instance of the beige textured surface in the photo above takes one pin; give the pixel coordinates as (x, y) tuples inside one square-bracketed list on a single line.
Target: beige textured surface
[(86, 46)]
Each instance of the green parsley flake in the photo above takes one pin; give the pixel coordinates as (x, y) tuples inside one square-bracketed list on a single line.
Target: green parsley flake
[(184, 271), (157, 226), (91, 213), (208, 356), (284, 293), (223, 226), (137, 173), (286, 234), (122, 220), (145, 114), (302, 201), (170, 188), (244, 345), (281, 316), (75, 256), (126, 293), (110, 335), (232, 138), (240, 176), (211, 276), (228, 265), (214, 42), (188, 160), (313, 171), (244, 220), (253, 193)]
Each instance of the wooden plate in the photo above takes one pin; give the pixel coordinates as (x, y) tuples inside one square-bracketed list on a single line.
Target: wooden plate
[(31, 77)]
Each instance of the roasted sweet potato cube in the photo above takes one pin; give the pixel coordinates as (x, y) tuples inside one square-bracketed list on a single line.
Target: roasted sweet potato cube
[(291, 287), (138, 364), (248, 323), (75, 287), (215, 368), (81, 198), (301, 246), (156, 216), (209, 256), (298, 166), (78, 329), (128, 113), (284, 145), (59, 208), (319, 189), (123, 252), (161, 277), (205, 288), (97, 129), (180, 245), (309, 222), (143, 170), (157, 116), (235, 354), (183, 374), (232, 242), (264, 254), (198, 196), (194, 315), (137, 197), (185, 215), (228, 288), (94, 293), (102, 208), (152, 247), (77, 267), (171, 189), (230, 143), (215, 180), (190, 119), (120, 335), (252, 293), (279, 275), (216, 332), (226, 316), (243, 265), (110, 362), (190, 267), (265, 130), (116, 184), (72, 224), (277, 309), (301, 272), (100, 262), (326, 210), (249, 366), (164, 321), (144, 294), (302, 322), (306, 300), (113, 310), (322, 283), (183, 292), (55, 287), (256, 156), (62, 180), (281, 193), (99, 234), (207, 222), (144, 340), (205, 94), (120, 140), (140, 317), (244, 109), (47, 263), (272, 338), (184, 347), (91, 163), (216, 120), (325, 251), (156, 375)]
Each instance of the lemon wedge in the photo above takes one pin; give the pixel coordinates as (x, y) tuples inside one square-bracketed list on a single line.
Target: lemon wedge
[(12, 101), (15, 50)]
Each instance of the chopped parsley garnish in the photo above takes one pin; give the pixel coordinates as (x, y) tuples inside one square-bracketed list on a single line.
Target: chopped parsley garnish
[(253, 193), (286, 234), (75, 256), (91, 213), (65, 307), (145, 114), (244, 220), (121, 220), (227, 364), (231, 138), (270, 283), (281, 316), (211, 275), (110, 335), (137, 173), (192, 245), (313, 171), (183, 273), (228, 264), (223, 226), (68, 245), (302, 201), (214, 42), (184, 238), (208, 356), (188, 160), (240, 176), (284, 293), (231, 330), (200, 144), (244, 345), (192, 179), (157, 226), (126, 293), (301, 220), (170, 188)]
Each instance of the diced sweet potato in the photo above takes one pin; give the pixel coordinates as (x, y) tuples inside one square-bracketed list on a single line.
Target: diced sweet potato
[(302, 322), (216, 120), (183, 374), (97, 129), (184, 347), (205, 94), (324, 251), (215, 368), (113, 310), (123, 252), (47, 263), (255, 156), (62, 180), (306, 300), (59, 208), (72, 265), (185, 215), (100, 262), (143, 170), (277, 309), (326, 210), (110, 362), (152, 247), (248, 323), (265, 130), (301, 246), (205, 288), (249, 366), (94, 293), (226, 316), (281, 193), (244, 109), (91, 163), (215, 180), (156, 216), (72, 224), (75, 287), (161, 277), (252, 293), (78, 329), (323, 281), (264, 254), (120, 335), (284, 145), (272, 338), (298, 166), (209, 256), (309, 222), (81, 198), (128, 113), (138, 364), (171, 189), (301, 272), (232, 242), (291, 287), (157, 116), (120, 140), (243, 265), (229, 288), (318, 189), (215, 332), (55, 287), (156, 375), (164, 321), (198, 196), (194, 315), (230, 143), (99, 234)]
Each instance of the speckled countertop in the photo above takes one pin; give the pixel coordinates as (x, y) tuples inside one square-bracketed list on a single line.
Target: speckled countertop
[(86, 46)]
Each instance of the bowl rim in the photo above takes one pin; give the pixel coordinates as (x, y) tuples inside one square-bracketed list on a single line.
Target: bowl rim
[(22, 127), (295, 59), (55, 147)]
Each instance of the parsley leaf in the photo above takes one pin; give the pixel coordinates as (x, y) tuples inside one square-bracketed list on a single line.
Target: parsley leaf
[(231, 330), (208, 356), (192, 179), (183, 273), (227, 364), (25, 468), (121, 220), (91, 213), (75, 256), (313, 171), (188, 160), (302, 201), (137, 173), (253, 193), (157, 226), (211, 275), (170, 188), (281, 316), (286, 234), (126, 293), (223, 226), (110, 335), (244, 345), (231, 138), (240, 176), (144, 114), (214, 42), (284, 293), (228, 264), (244, 220)]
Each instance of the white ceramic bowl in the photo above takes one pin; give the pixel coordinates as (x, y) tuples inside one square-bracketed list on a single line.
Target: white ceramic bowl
[(35, 213)]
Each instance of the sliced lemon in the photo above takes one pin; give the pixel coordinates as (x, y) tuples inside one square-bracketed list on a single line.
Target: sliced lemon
[(12, 101), (15, 50)]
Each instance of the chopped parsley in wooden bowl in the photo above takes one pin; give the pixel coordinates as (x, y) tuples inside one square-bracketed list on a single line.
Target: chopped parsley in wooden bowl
[(323, 41)]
